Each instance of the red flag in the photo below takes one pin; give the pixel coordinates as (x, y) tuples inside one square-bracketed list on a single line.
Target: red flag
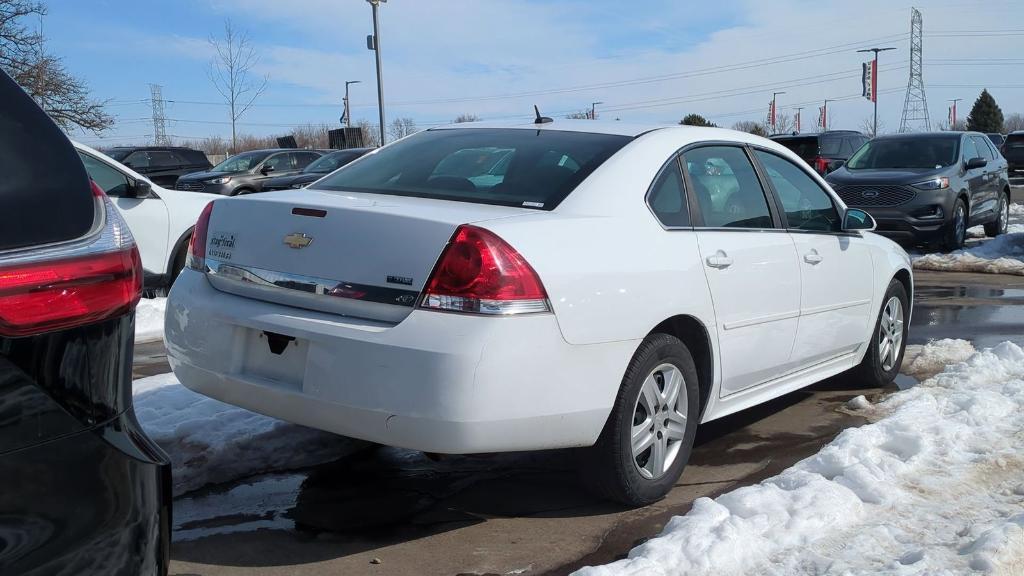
[(869, 80), (821, 117), (796, 124)]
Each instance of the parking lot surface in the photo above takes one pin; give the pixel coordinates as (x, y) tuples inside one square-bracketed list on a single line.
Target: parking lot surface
[(389, 511)]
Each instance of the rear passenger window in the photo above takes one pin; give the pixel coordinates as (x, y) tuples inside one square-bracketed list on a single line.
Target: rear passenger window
[(666, 197), (807, 206), (726, 188)]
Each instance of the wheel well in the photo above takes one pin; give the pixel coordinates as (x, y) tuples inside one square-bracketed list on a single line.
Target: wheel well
[(181, 244), (904, 277), (695, 336)]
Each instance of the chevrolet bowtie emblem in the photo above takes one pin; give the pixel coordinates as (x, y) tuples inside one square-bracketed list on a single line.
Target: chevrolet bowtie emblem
[(297, 240)]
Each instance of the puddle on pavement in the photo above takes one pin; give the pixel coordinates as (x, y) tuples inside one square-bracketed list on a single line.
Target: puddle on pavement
[(984, 325), (956, 292)]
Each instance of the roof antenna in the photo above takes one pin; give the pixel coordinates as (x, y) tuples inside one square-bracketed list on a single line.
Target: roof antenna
[(540, 119)]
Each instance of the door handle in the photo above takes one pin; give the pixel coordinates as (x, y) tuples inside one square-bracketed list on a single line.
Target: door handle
[(719, 260), (813, 257)]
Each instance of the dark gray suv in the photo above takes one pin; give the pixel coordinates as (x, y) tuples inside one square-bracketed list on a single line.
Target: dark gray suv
[(928, 188), (246, 172)]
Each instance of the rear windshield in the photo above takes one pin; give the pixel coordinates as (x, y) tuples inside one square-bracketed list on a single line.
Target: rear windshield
[(507, 167), (1015, 141), (896, 153), (331, 162), (805, 147), (118, 153), (830, 145)]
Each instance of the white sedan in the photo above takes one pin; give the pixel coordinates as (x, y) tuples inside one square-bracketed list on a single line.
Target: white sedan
[(608, 286), (161, 220)]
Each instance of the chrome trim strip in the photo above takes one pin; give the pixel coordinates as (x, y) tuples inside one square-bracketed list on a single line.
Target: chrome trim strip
[(832, 307), (761, 320)]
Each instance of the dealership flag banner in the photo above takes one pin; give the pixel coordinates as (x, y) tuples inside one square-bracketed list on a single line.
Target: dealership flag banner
[(869, 80), (796, 125), (821, 116), (771, 113)]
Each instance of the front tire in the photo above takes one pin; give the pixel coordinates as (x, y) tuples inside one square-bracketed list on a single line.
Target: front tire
[(884, 357), (1000, 224), (956, 229), (649, 435)]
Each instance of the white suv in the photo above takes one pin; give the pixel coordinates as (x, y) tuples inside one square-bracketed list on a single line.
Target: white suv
[(160, 219)]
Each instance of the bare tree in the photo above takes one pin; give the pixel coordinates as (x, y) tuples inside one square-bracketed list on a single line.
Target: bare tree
[(867, 126), (230, 71), (784, 124), (1013, 122), (750, 126), (581, 115), (464, 117), (401, 127), (371, 136), (24, 57)]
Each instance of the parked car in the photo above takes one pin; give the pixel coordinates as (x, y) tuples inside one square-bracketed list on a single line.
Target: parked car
[(246, 173), (82, 489), (1013, 151), (823, 151), (996, 138), (316, 170), (586, 298), (928, 188), (160, 164), (160, 219)]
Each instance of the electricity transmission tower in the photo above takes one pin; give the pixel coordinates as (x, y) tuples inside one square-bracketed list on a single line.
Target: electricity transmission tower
[(156, 96), (915, 107)]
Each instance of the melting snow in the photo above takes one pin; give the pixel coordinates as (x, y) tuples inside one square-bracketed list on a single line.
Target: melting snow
[(933, 487), (1000, 255), (211, 442), (149, 319)]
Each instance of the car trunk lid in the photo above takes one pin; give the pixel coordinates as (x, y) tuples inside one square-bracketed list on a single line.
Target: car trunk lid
[(361, 255)]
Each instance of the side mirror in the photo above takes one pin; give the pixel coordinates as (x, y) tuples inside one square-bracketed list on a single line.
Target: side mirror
[(835, 165), (855, 219), (140, 189), (977, 162), (267, 169)]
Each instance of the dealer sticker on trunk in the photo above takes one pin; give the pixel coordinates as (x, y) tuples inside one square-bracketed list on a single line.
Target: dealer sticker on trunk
[(221, 245)]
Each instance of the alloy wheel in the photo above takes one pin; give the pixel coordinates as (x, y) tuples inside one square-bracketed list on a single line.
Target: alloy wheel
[(1004, 214), (659, 421), (890, 333), (960, 225)]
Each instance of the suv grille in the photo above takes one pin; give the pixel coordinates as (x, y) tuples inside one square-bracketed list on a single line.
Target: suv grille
[(869, 195), (189, 186)]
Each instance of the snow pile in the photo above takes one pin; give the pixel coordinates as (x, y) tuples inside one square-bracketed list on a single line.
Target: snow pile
[(1000, 255), (923, 362), (149, 319), (933, 487), (211, 442)]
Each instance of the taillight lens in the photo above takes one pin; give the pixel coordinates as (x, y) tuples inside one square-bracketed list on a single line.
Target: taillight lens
[(197, 244), (480, 273), (99, 278), (821, 165)]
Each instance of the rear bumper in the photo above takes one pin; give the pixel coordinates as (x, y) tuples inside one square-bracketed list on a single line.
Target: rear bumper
[(437, 382)]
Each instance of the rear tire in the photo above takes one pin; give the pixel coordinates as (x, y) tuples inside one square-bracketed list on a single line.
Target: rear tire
[(179, 264), (882, 363), (658, 404), (956, 228), (999, 225), (242, 191)]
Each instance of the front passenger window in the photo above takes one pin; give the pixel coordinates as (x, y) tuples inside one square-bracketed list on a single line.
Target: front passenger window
[(726, 188), (807, 206)]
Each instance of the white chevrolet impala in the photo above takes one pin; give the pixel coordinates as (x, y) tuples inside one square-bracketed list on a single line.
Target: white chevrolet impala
[(486, 288)]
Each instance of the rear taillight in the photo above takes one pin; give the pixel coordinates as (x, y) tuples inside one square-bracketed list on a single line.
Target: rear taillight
[(197, 244), (62, 287), (821, 165), (480, 273)]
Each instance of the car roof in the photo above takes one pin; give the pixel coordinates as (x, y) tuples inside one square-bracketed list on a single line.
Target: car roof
[(913, 135), (612, 127), (813, 134), (157, 148)]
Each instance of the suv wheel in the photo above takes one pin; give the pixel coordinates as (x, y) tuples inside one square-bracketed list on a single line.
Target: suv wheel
[(999, 225), (648, 437), (956, 228)]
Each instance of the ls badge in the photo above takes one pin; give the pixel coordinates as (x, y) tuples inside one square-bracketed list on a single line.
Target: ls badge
[(297, 240)]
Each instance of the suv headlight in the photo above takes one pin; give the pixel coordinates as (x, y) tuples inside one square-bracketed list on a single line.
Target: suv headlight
[(933, 184), (221, 180)]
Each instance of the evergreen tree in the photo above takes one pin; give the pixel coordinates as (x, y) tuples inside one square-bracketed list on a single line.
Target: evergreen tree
[(697, 120), (986, 116)]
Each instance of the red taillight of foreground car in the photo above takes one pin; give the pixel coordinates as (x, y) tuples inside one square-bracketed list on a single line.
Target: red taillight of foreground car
[(821, 165), (98, 281), (197, 243), (480, 273)]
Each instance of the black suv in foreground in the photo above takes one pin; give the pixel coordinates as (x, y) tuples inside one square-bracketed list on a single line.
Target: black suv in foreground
[(161, 164), (83, 491), (823, 151), (246, 173), (928, 188)]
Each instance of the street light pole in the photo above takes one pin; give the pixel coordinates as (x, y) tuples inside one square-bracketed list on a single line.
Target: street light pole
[(380, 80), (874, 96), (593, 110), (774, 110), (348, 107)]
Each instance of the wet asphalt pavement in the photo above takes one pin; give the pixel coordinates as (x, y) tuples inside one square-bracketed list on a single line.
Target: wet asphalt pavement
[(390, 511)]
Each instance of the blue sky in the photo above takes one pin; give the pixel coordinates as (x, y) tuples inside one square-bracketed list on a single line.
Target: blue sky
[(655, 61)]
